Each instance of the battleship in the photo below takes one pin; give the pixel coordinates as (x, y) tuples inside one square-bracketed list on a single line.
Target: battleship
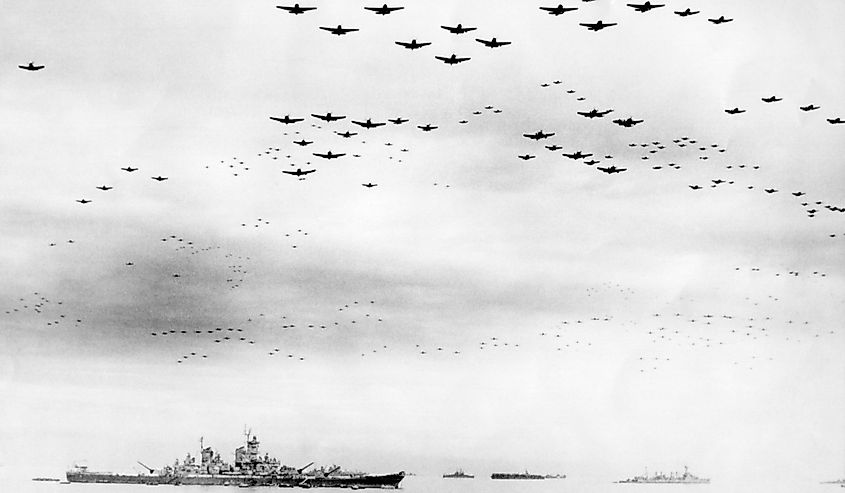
[(516, 475), (249, 469), (672, 478), (459, 474)]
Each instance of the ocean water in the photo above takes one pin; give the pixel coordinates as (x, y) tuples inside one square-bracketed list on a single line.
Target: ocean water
[(435, 484)]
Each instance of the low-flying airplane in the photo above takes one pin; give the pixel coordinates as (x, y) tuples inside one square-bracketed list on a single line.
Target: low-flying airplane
[(426, 128), (554, 147), (644, 7), (299, 172), (339, 30), (369, 185), (383, 10), (413, 45), (296, 9), (835, 121), (591, 162), (452, 60), (459, 29), (577, 155), (369, 123), (772, 99), (594, 113), (720, 20), (770, 190), (129, 169), (611, 169), (628, 122), (734, 111), (798, 194), (526, 157), (303, 142), (397, 121), (538, 135), (493, 43), (597, 26), (560, 9), (695, 187), (687, 12), (104, 188), (328, 155), (346, 134), (84, 201), (159, 178), (286, 119), (31, 67), (328, 117), (809, 107)]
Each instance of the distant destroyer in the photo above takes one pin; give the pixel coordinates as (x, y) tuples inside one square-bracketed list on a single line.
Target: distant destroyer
[(673, 478), (459, 474)]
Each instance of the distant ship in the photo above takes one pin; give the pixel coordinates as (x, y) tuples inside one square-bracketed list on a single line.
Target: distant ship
[(672, 478), (249, 469), (459, 474), (516, 475)]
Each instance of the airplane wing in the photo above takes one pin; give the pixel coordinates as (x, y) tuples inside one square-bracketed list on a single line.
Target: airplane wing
[(441, 58)]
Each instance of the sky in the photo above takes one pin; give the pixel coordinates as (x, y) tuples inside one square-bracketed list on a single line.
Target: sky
[(473, 309)]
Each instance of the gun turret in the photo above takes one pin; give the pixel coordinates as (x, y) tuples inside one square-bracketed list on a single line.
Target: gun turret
[(146, 467), (305, 467)]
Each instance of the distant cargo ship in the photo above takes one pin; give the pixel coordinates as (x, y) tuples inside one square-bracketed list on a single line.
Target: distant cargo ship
[(516, 475), (672, 478), (249, 469), (459, 474)]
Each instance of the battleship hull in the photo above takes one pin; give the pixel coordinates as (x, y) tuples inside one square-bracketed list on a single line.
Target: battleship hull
[(507, 475), (354, 482)]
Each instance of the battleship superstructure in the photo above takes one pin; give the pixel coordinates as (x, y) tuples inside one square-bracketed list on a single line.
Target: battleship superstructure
[(248, 469), (681, 478), (459, 474)]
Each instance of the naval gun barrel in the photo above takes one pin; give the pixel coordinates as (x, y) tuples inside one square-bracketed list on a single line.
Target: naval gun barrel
[(146, 466), (332, 471), (304, 467)]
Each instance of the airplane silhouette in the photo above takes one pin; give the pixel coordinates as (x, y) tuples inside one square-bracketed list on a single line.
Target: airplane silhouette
[(628, 122), (459, 29), (286, 119), (687, 12), (591, 162), (835, 121), (31, 67), (296, 9), (720, 20), (734, 111), (560, 9), (554, 147), (328, 117), (104, 188), (299, 172), (397, 121), (346, 134), (772, 99), (413, 45), (597, 26), (368, 124), (644, 7), (328, 155), (383, 10), (809, 108), (303, 142), (526, 157), (369, 185), (159, 178), (770, 190), (612, 169), (695, 187), (452, 60), (538, 135), (339, 30), (129, 169), (798, 194), (426, 128), (493, 43), (577, 155), (84, 201), (594, 113)]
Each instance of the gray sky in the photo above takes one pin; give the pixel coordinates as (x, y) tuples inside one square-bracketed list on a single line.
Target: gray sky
[(511, 249)]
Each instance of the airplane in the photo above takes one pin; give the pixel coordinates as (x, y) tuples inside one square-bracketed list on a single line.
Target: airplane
[(628, 122), (687, 12), (809, 108), (369, 185), (772, 99), (554, 147), (798, 194), (560, 9), (577, 155), (463, 122), (296, 9), (339, 30), (594, 113), (718, 182), (383, 10), (303, 142), (286, 119), (591, 162), (31, 67), (459, 29), (159, 178), (452, 60), (129, 169), (299, 172), (612, 169), (84, 201), (346, 134), (597, 26), (426, 128), (526, 157), (328, 117), (539, 135), (413, 45), (368, 124), (835, 121), (493, 43), (397, 121), (695, 187), (104, 188), (770, 190), (734, 111), (644, 7), (720, 20), (328, 155)]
